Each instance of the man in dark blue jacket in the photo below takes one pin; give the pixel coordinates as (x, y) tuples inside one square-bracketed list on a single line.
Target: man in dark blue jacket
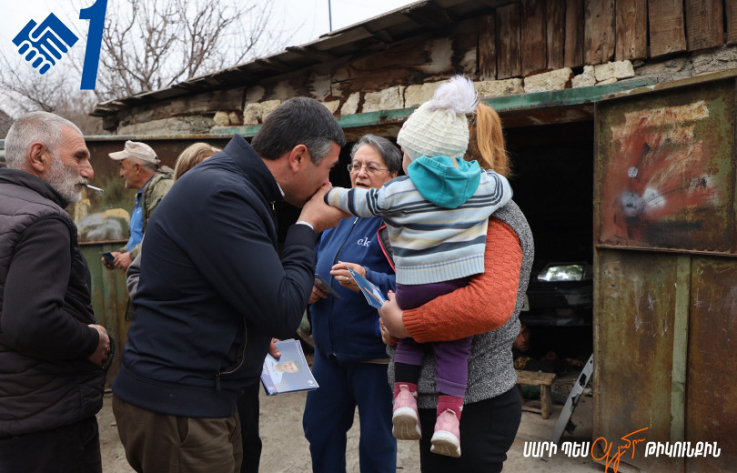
[(213, 290)]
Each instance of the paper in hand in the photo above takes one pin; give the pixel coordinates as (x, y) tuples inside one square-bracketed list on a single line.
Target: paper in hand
[(326, 288), (372, 293)]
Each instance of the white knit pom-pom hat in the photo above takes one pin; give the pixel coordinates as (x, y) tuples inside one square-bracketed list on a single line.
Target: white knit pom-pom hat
[(439, 127)]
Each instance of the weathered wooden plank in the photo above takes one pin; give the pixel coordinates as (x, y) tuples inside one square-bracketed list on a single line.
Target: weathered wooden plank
[(508, 46), (556, 33), (599, 38), (487, 47), (704, 24), (534, 37), (631, 29), (414, 61), (536, 378), (573, 55), (731, 14), (667, 33)]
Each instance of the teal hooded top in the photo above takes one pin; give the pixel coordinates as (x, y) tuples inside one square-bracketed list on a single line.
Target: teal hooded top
[(446, 182)]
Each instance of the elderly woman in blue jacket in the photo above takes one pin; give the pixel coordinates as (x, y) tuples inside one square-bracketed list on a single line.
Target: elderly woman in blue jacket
[(350, 359)]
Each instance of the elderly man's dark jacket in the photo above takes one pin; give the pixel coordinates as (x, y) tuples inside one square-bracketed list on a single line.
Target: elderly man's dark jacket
[(45, 379)]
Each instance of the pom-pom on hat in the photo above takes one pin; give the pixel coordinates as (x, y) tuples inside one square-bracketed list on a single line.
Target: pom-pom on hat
[(439, 127)]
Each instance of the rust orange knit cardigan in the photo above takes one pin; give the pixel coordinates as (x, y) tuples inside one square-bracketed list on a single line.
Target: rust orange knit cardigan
[(485, 304)]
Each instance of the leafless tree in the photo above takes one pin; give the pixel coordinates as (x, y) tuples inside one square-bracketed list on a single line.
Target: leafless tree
[(24, 90), (149, 45)]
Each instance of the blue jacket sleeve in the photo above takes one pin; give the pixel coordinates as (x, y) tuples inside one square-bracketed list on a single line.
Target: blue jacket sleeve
[(384, 281)]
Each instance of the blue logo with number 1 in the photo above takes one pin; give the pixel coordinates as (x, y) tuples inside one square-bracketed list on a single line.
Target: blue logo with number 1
[(44, 45), (96, 15)]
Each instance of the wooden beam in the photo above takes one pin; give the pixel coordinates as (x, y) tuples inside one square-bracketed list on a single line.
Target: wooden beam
[(599, 41), (311, 53), (275, 65), (667, 34), (534, 37), (704, 24), (383, 36), (497, 3), (186, 86), (731, 10), (631, 29), (243, 75), (429, 15), (573, 55), (556, 33), (508, 47), (487, 46)]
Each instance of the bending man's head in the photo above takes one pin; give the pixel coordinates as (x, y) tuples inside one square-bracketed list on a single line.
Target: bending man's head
[(300, 142)]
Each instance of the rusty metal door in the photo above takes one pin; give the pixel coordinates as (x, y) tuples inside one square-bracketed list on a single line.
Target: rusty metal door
[(666, 274)]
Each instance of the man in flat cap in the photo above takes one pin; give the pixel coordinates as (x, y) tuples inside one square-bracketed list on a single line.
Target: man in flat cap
[(139, 168)]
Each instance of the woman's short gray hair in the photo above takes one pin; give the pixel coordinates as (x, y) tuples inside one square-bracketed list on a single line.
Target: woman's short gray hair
[(34, 127), (388, 151)]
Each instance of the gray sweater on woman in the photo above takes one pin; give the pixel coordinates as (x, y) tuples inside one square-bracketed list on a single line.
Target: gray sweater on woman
[(490, 366)]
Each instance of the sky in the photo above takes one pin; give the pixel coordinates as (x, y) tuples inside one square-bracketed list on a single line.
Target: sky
[(308, 17), (305, 20)]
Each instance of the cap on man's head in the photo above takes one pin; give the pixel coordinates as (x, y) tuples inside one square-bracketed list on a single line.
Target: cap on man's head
[(137, 150)]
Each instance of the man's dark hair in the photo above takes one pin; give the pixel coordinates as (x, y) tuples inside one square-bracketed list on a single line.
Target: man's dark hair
[(298, 121)]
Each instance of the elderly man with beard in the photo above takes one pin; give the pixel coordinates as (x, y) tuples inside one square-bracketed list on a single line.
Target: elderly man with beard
[(53, 354)]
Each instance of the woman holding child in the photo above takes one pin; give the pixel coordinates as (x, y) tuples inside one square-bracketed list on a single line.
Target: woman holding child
[(485, 308)]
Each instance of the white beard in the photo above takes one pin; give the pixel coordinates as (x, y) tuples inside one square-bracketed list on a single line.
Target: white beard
[(64, 179)]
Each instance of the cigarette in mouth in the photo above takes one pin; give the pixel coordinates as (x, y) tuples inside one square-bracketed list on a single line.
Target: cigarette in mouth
[(92, 187)]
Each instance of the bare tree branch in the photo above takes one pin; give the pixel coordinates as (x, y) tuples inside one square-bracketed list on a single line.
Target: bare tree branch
[(149, 45), (152, 44)]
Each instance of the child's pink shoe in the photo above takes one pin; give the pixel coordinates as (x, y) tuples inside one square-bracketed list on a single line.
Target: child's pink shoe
[(447, 437), (405, 417)]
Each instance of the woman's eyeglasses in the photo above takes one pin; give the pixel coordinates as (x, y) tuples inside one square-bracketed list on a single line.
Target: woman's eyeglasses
[(370, 168)]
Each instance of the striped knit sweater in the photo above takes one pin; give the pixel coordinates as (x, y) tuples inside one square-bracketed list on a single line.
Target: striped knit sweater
[(487, 308), (431, 244)]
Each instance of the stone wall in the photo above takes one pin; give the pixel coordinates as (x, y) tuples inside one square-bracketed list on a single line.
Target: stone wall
[(394, 97)]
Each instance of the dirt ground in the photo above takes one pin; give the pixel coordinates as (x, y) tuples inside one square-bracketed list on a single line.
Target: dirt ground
[(285, 449)]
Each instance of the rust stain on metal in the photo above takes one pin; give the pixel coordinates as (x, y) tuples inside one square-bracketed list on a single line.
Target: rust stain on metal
[(634, 348), (711, 395), (666, 171)]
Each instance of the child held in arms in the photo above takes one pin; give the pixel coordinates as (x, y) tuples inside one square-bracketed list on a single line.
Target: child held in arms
[(437, 217)]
